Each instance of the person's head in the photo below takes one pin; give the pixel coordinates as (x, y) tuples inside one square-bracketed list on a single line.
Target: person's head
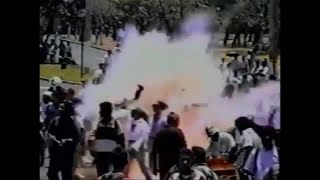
[(185, 161), (55, 98), (156, 108), (267, 137), (199, 154), (173, 119), (264, 63), (223, 60), (67, 109), (121, 157), (52, 41), (68, 43), (101, 66), (245, 77), (211, 131), (273, 77), (46, 97), (135, 114), (105, 110), (109, 52), (258, 62), (163, 106), (61, 93), (70, 94), (242, 123)]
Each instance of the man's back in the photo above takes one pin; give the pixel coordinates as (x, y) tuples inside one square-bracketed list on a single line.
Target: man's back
[(169, 141)]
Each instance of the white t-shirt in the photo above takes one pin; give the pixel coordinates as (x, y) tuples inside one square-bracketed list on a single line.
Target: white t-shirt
[(250, 138), (265, 70), (225, 143), (97, 74), (139, 133)]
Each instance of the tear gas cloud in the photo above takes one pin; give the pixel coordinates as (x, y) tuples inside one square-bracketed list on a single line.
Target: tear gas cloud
[(165, 68)]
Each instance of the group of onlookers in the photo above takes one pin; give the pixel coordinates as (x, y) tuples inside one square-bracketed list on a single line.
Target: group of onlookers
[(244, 72), (124, 133), (51, 53)]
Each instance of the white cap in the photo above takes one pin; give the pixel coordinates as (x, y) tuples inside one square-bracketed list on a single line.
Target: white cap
[(47, 93), (212, 130), (55, 80)]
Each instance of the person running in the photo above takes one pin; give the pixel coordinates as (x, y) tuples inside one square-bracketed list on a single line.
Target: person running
[(167, 145), (108, 135), (138, 139), (199, 158), (64, 136)]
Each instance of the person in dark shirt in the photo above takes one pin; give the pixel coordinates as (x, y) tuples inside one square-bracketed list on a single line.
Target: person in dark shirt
[(183, 170), (42, 149), (62, 49), (167, 145), (68, 51), (199, 158), (119, 165), (108, 135), (70, 95), (65, 136), (51, 111)]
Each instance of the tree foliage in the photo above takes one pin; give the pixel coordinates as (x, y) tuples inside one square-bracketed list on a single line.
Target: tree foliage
[(235, 15)]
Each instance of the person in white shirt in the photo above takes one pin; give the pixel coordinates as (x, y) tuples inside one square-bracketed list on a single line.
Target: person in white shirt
[(248, 136), (247, 139), (107, 57), (261, 160), (138, 139), (263, 70), (98, 74), (221, 143), (46, 99)]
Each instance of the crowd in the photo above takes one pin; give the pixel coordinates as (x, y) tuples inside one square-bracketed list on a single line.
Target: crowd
[(53, 53), (155, 140), (244, 72)]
